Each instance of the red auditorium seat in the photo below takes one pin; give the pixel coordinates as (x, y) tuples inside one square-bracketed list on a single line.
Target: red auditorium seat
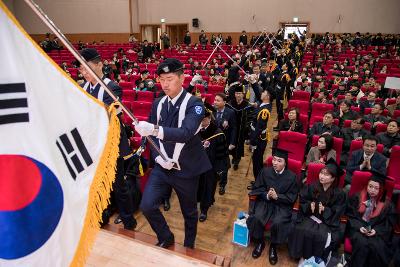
[(358, 144), (313, 170), (126, 85), (396, 114), (293, 142), (358, 182), (303, 106), (213, 89), (140, 108), (337, 145), (367, 111), (380, 128), (367, 125), (144, 96), (319, 109), (393, 169), (128, 95), (293, 165), (301, 95)]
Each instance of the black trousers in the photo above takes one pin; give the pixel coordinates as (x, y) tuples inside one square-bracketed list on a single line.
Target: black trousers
[(257, 157), (123, 194), (158, 187)]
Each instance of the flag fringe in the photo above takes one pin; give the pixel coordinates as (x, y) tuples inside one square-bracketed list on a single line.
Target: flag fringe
[(100, 189)]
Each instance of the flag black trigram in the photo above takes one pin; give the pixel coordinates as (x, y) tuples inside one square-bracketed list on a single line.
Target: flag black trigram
[(13, 103), (74, 152)]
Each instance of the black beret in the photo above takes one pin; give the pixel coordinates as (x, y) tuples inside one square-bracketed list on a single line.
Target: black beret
[(90, 54), (170, 65), (280, 153)]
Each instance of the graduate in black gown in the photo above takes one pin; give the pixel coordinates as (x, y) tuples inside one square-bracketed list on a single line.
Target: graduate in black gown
[(275, 192), (214, 142), (370, 225), (242, 110), (322, 203)]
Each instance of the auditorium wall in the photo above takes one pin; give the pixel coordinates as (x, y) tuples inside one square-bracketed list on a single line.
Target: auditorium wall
[(103, 17)]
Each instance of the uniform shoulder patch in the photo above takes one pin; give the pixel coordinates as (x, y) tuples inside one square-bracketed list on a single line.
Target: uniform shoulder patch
[(198, 109)]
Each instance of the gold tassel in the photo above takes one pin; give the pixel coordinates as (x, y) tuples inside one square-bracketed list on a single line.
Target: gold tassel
[(99, 192), (140, 168)]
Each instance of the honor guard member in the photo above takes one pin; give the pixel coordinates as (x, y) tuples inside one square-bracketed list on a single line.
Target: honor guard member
[(173, 125), (121, 188), (281, 91), (259, 135)]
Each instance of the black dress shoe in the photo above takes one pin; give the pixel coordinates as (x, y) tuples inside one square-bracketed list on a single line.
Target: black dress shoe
[(166, 243), (273, 256), (202, 217), (131, 225), (167, 205), (118, 220), (221, 190), (258, 250)]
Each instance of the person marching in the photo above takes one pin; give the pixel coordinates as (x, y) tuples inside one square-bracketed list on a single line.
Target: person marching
[(173, 125)]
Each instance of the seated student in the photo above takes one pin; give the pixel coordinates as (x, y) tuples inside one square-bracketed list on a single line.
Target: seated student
[(323, 151), (345, 112), (349, 98), (326, 126), (389, 138), (214, 142), (370, 224), (275, 190), (316, 232), (354, 132), (292, 123), (366, 159)]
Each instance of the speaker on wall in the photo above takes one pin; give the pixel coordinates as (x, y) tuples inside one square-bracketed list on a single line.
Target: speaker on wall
[(195, 22)]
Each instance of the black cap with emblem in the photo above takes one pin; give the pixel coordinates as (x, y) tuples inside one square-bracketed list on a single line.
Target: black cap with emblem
[(170, 65), (89, 54)]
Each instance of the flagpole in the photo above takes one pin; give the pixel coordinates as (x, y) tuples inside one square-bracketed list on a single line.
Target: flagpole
[(35, 7)]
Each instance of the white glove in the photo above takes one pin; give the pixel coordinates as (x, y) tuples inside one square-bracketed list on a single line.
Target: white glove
[(144, 128), (231, 147), (248, 53), (195, 79), (252, 148), (166, 164)]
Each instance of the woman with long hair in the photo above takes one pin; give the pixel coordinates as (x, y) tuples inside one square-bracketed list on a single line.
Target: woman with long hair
[(370, 224), (323, 151), (322, 203)]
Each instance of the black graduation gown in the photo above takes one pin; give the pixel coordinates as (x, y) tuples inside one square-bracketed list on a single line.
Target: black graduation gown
[(308, 237), (217, 152), (370, 251), (277, 212), (242, 113)]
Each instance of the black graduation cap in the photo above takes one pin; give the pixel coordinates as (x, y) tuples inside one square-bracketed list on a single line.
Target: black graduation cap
[(170, 65), (334, 168), (144, 72), (280, 153), (238, 88)]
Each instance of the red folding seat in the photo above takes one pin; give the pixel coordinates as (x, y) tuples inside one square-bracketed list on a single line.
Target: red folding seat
[(145, 96), (140, 108), (358, 144), (356, 109), (393, 169), (319, 109), (359, 181), (294, 165), (396, 114), (128, 95), (313, 170), (367, 111), (213, 89), (126, 85), (303, 106), (337, 145), (301, 95), (293, 142), (381, 127)]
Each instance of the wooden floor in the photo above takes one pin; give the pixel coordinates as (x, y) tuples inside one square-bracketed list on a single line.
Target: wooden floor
[(215, 234)]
